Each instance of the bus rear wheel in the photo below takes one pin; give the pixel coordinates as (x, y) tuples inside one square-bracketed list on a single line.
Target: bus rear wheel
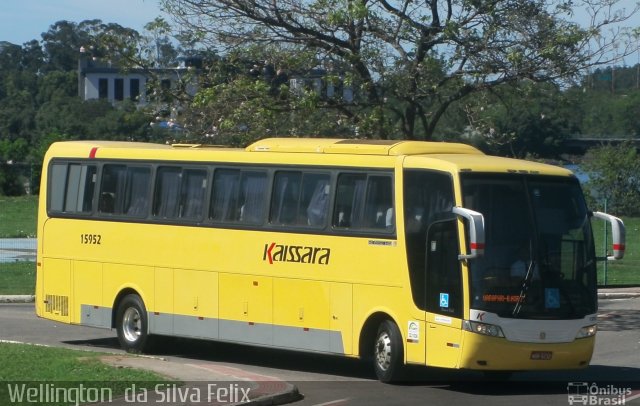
[(388, 352), (132, 324)]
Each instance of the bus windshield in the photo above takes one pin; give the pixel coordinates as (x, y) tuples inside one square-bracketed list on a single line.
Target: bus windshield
[(539, 260)]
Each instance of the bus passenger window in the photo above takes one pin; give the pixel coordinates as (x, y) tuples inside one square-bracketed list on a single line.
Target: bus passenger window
[(72, 187), (300, 199), (137, 192), (349, 200), (224, 199), (166, 203), (252, 200), (364, 202), (238, 196), (318, 203), (179, 193), (286, 195), (125, 190), (378, 212), (194, 184)]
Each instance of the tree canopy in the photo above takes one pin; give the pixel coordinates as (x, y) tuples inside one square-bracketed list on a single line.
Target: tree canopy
[(410, 61)]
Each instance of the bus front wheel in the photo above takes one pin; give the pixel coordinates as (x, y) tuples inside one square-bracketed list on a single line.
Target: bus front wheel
[(132, 324), (388, 352)]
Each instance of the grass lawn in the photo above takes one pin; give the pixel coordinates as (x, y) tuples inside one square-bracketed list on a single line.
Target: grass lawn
[(18, 216), (63, 368), (17, 278)]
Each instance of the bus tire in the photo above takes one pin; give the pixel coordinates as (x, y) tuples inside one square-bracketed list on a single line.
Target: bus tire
[(132, 324), (388, 352)]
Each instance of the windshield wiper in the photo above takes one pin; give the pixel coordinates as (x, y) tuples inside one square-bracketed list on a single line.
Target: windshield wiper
[(526, 282)]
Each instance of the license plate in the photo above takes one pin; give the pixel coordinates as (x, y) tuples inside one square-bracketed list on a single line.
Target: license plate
[(541, 355)]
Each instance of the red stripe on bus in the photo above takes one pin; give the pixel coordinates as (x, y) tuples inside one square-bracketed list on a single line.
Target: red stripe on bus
[(92, 154)]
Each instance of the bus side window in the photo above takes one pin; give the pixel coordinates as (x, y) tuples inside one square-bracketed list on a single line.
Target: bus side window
[(137, 192), (72, 187), (167, 192), (238, 196), (318, 203), (364, 202), (349, 200), (224, 199), (194, 185), (112, 177), (253, 188), (286, 195), (125, 190), (378, 205), (179, 193), (300, 199)]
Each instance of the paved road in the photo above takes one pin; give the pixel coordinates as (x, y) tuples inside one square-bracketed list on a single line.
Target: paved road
[(325, 380)]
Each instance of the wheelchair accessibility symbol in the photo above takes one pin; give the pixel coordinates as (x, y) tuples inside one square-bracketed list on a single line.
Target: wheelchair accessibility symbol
[(552, 298), (444, 300)]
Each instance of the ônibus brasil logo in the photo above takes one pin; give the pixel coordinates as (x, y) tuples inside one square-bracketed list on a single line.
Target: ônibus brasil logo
[(295, 253)]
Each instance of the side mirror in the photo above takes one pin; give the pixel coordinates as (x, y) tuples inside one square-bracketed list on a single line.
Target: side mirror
[(476, 232), (618, 234)]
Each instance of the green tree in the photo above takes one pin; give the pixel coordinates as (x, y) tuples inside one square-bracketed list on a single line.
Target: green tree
[(613, 175), (527, 119), (158, 44), (11, 153), (409, 62), (62, 44), (18, 107), (64, 40)]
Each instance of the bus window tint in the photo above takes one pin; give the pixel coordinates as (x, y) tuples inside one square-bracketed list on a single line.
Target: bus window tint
[(300, 199), (72, 187), (238, 196), (194, 184), (286, 196), (252, 199), (378, 209), (316, 191), (364, 202), (224, 205), (57, 186), (125, 190), (166, 203), (179, 193)]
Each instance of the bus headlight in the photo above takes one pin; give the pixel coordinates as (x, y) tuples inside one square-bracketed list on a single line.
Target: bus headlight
[(483, 328), (588, 331)]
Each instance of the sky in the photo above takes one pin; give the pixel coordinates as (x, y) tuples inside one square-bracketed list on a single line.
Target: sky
[(24, 20)]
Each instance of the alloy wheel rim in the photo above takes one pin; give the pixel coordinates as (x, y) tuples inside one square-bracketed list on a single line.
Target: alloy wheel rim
[(132, 324), (383, 351)]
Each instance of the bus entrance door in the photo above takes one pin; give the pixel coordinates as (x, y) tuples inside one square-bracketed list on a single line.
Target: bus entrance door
[(444, 294)]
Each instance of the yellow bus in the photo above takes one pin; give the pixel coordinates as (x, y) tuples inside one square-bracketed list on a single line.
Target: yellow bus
[(402, 252)]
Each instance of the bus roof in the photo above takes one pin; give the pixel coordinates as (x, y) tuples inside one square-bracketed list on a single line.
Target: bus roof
[(452, 157), (485, 163), (359, 147)]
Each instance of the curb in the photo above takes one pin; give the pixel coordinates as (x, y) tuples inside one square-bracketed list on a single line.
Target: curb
[(17, 298), (618, 295), (290, 395)]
